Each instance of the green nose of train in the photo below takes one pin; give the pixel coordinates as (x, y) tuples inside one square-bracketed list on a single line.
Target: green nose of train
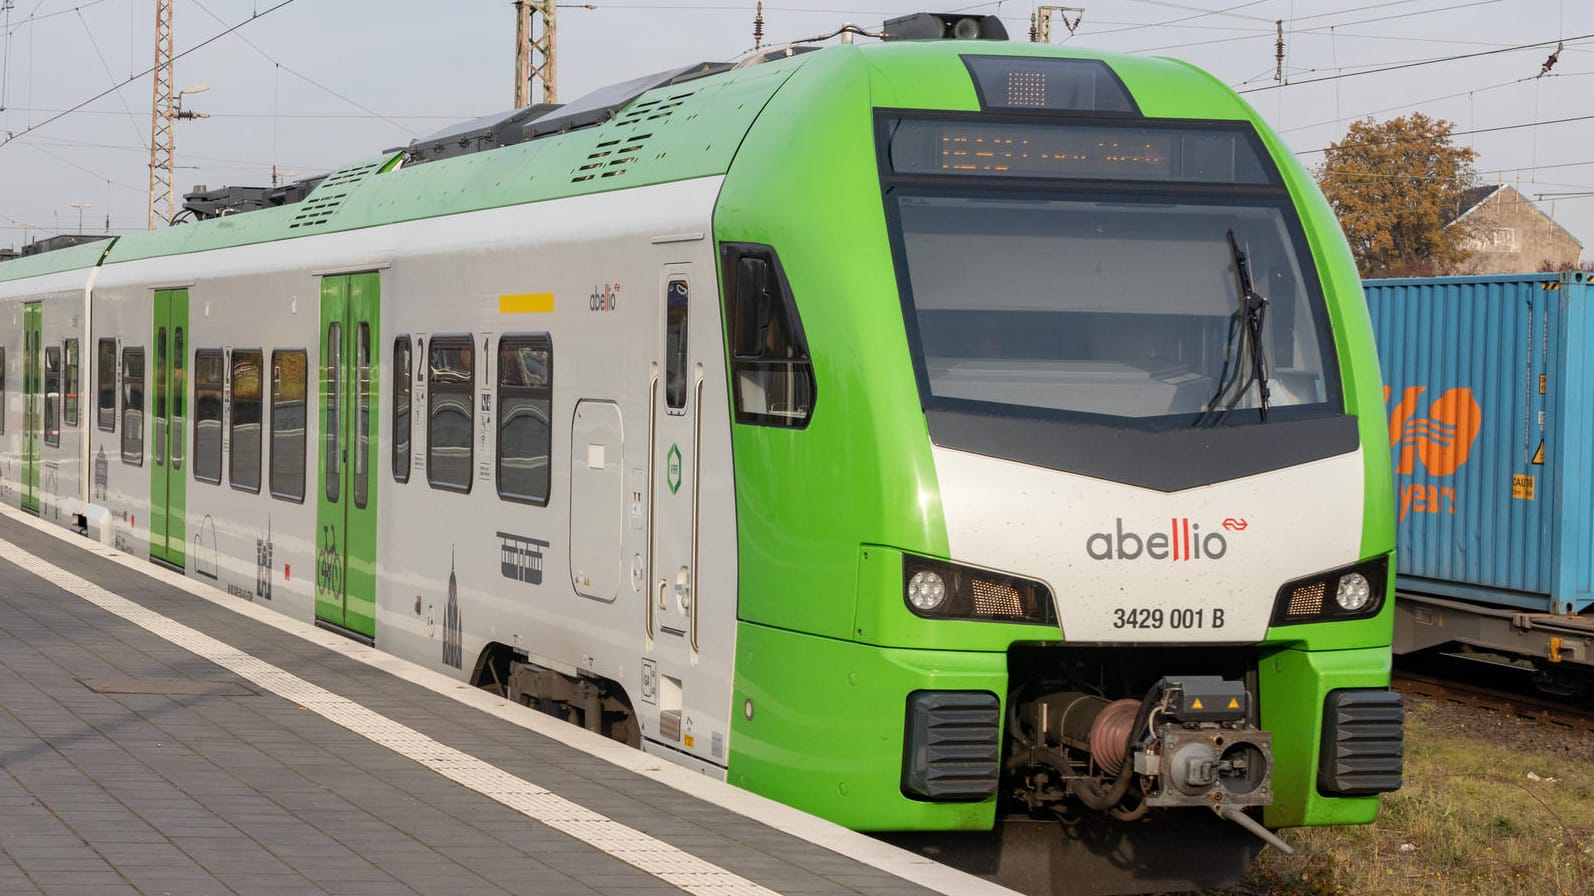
[(1084, 516)]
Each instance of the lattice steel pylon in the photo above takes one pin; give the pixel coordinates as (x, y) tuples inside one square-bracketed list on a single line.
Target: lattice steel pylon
[(535, 56), (162, 117)]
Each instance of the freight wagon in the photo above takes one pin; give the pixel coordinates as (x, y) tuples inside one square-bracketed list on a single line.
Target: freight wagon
[(1489, 388)]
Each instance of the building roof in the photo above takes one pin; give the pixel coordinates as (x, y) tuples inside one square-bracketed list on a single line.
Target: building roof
[(1476, 197), (1471, 199)]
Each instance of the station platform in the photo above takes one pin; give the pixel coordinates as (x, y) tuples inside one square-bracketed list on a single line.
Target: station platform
[(158, 737)]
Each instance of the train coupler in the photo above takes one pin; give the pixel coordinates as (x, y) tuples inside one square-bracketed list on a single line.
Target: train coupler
[(1188, 743)]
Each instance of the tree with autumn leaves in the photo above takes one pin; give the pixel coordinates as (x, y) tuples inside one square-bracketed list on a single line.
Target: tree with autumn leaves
[(1394, 187)]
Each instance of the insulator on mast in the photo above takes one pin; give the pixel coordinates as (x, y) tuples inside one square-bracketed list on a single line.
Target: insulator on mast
[(1278, 52)]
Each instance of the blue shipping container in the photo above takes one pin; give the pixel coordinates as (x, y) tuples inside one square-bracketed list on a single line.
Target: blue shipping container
[(1489, 388)]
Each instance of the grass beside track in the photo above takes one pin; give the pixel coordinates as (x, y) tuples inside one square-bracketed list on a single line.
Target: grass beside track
[(1478, 814)]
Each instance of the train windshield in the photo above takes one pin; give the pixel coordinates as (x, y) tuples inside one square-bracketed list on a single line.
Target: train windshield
[(1117, 307), (1052, 279)]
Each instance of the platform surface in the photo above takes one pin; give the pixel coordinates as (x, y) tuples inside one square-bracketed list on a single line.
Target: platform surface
[(155, 740)]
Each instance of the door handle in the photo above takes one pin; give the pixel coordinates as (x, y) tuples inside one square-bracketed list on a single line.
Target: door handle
[(697, 495)]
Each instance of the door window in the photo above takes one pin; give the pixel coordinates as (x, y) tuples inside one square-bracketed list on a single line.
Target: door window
[(362, 413), (332, 429), (160, 395), (675, 345), (179, 388)]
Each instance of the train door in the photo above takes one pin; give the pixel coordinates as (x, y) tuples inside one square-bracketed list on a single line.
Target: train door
[(676, 416), (32, 409), (168, 490), (345, 585)]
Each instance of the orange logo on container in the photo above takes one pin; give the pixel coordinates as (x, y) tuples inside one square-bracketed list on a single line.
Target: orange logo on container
[(1442, 440)]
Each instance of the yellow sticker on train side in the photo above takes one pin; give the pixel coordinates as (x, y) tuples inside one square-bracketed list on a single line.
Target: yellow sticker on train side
[(526, 303)]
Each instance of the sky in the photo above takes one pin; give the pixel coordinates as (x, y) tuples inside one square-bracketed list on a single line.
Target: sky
[(301, 87)]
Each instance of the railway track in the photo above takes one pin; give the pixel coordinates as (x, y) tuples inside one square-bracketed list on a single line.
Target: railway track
[(1543, 708)]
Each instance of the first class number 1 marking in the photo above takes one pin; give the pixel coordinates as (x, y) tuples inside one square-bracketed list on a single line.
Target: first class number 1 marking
[(1158, 618)]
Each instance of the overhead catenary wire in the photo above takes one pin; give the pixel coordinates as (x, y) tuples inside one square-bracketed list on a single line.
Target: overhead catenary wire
[(306, 78), (137, 129), (1237, 17), (1408, 65), (204, 43), (1504, 127)]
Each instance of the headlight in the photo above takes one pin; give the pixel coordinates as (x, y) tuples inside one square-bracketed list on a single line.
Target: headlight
[(941, 590), (1353, 592), (1358, 592), (926, 591)]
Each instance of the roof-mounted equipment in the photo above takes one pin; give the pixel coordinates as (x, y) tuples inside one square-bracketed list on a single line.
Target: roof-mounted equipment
[(202, 204), (544, 119), (944, 26), (61, 241), (487, 132)]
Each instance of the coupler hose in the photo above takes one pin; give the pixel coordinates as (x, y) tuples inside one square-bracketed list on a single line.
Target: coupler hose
[(1089, 792)]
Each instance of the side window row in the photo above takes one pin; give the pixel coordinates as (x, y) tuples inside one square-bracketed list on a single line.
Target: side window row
[(211, 372), (59, 385), (524, 398), (61, 366), (447, 373)]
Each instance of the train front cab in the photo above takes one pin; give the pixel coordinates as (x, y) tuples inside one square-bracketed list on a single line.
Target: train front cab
[(1058, 514)]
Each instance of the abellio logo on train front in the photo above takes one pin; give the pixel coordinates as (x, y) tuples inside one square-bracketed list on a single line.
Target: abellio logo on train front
[(1181, 542)]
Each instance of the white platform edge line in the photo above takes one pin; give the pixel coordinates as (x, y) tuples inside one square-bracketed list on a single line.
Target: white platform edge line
[(642, 851), (843, 841)]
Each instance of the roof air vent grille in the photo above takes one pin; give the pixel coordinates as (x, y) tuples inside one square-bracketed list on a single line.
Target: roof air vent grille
[(321, 205)]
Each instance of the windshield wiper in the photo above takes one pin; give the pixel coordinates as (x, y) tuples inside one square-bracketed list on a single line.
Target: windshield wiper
[(1245, 337)]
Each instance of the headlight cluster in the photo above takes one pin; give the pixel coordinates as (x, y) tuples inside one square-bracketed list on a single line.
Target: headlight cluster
[(1351, 592), (938, 590)]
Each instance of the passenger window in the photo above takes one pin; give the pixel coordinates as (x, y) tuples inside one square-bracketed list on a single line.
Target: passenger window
[(403, 383), (209, 384), (243, 457), (772, 376), (449, 412), (525, 417), (69, 388), (133, 406), (52, 396), (288, 384), (675, 309), (105, 373)]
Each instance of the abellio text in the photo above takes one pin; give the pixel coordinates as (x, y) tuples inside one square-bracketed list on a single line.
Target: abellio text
[(1182, 541)]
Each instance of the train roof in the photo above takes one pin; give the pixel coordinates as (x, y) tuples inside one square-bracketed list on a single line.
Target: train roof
[(83, 255), (677, 125)]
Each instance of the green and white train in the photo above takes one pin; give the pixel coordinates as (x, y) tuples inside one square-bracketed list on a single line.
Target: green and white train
[(917, 432)]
